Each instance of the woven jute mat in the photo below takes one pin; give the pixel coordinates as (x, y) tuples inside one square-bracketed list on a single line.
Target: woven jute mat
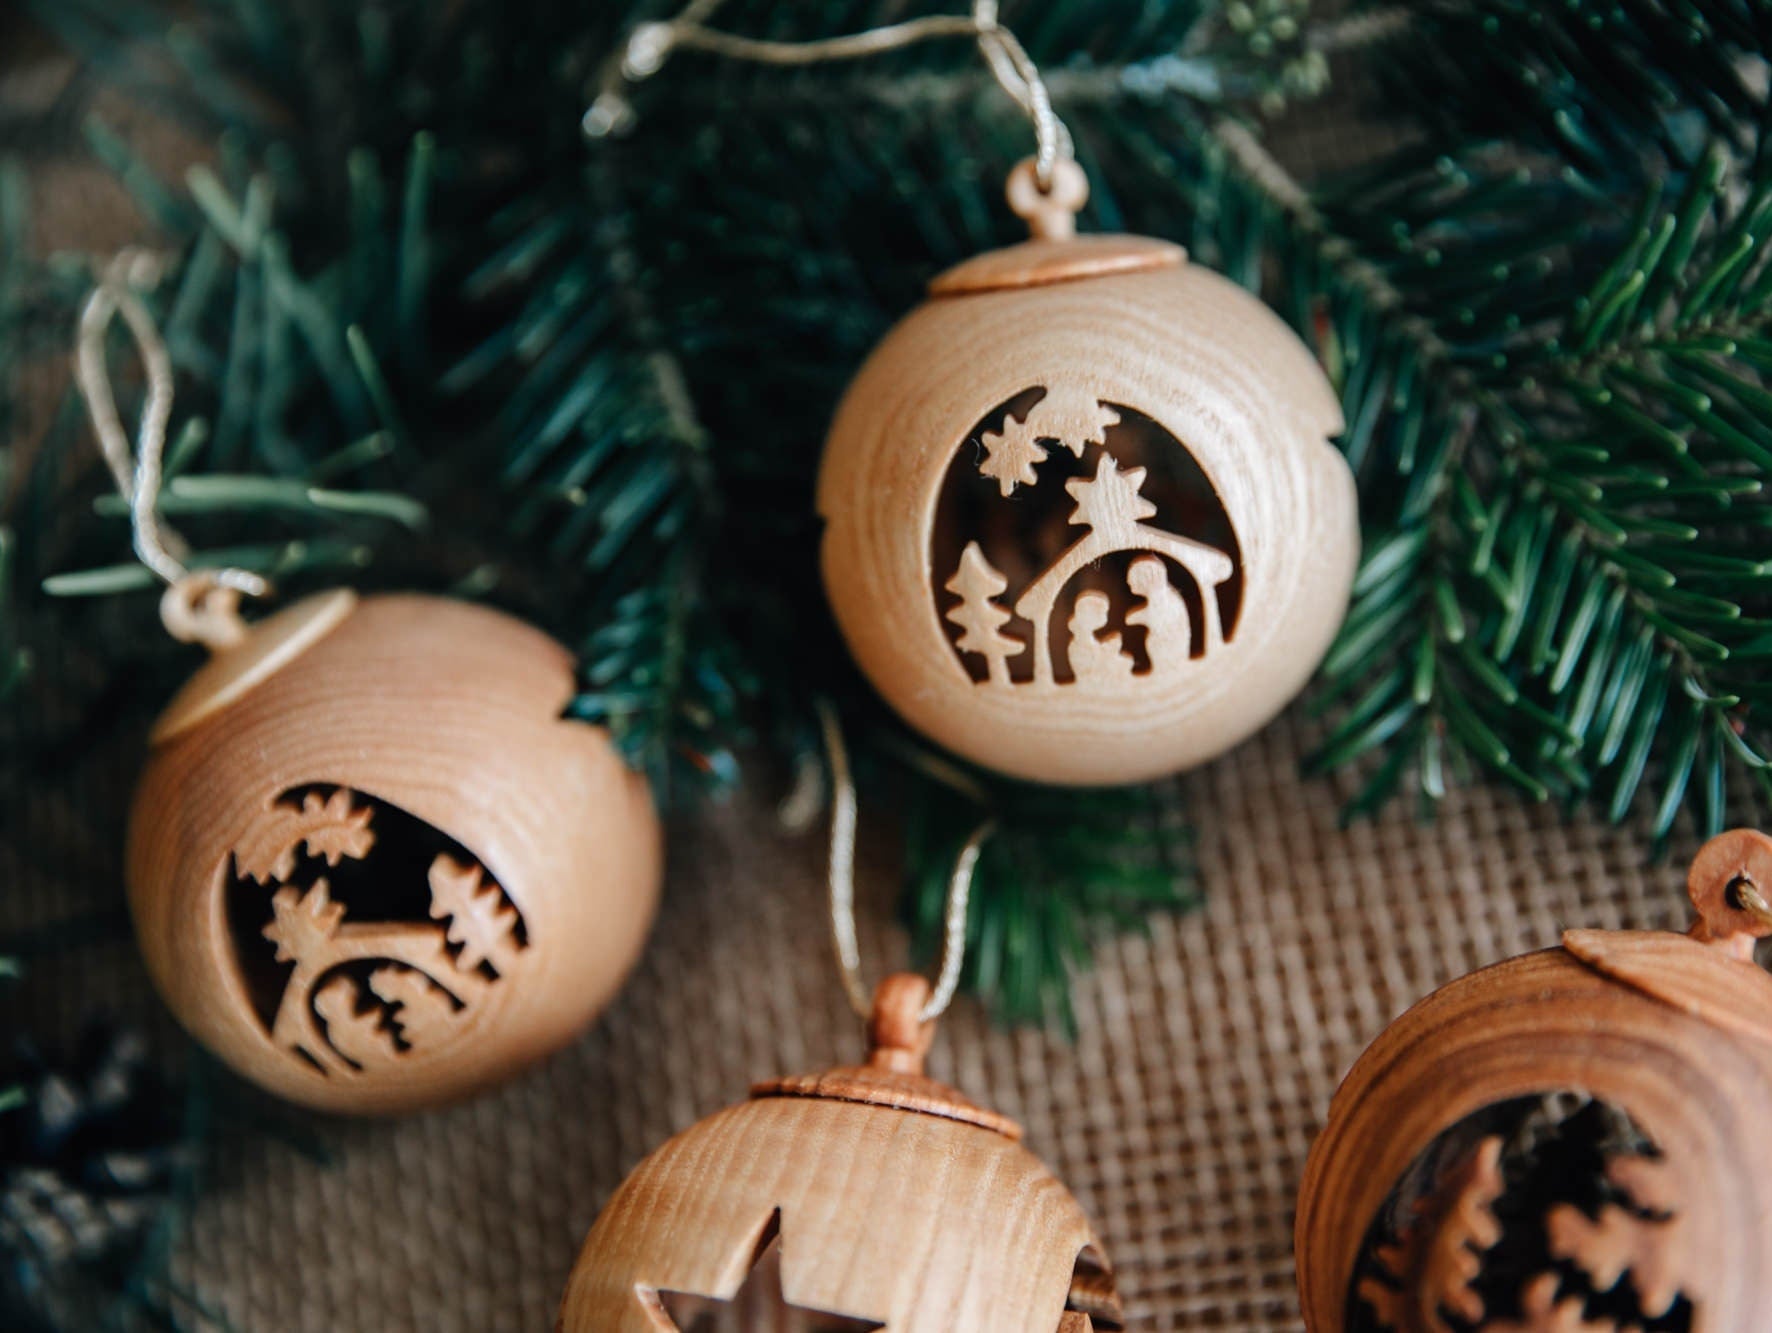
[(1181, 1116)]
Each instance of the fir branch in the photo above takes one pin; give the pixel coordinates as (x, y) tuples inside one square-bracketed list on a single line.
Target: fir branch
[(1062, 870), (1531, 382), (1544, 397), (606, 444), (1614, 90)]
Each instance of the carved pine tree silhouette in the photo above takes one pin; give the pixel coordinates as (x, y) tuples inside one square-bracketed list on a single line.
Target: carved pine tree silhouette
[(362, 1038), (1542, 1312), (1429, 1270), (420, 1008), (360, 994), (1640, 1236), (330, 827), (977, 584)]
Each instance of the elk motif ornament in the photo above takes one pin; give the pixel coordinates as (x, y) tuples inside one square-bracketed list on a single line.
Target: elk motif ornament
[(361, 993), (371, 863), (373, 867), (1591, 1167)]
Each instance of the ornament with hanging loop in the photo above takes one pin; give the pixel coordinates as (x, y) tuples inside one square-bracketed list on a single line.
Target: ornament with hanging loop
[(869, 1194), (371, 865), (1083, 520)]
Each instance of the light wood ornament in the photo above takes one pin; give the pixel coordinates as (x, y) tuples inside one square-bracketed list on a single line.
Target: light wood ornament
[(885, 1199), (1672, 1030), (1055, 412), (371, 865)]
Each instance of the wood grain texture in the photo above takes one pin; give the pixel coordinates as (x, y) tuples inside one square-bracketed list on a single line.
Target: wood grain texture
[(922, 1223), (883, 1198), (1041, 263), (1578, 1020), (454, 879), (1178, 345)]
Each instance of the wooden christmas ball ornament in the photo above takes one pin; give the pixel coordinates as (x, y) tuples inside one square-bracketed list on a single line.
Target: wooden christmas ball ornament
[(1569, 1142), (371, 865), (862, 1198), (1084, 524)]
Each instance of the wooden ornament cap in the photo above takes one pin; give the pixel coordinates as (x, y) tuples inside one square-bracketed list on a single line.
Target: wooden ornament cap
[(893, 1076), (1056, 253), (1683, 970), (269, 646), (1042, 263)]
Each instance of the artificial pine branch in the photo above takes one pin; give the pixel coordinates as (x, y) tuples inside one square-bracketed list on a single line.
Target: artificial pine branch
[(1562, 559), (1473, 300)]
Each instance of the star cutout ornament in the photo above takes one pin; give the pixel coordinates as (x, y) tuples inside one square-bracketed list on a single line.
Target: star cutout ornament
[(759, 1304)]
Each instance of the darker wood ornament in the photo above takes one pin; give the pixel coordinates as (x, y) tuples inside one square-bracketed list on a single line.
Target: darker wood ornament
[(1669, 1029), (371, 865)]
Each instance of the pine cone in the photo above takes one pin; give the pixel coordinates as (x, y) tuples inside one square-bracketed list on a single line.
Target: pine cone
[(90, 1153)]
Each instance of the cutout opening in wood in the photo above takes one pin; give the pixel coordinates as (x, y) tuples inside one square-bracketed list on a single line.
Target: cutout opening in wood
[(362, 934), (1078, 539), (758, 1304), (1094, 1293), (1553, 1211)]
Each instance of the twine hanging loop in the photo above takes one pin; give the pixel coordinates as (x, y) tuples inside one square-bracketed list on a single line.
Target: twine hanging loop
[(199, 606)]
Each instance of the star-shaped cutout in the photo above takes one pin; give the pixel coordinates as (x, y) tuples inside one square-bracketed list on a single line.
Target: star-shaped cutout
[(760, 1296)]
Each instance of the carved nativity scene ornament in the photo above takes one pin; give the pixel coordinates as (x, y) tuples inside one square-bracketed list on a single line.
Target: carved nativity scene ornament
[(1567, 1142), (1083, 520), (371, 865), (861, 1198)]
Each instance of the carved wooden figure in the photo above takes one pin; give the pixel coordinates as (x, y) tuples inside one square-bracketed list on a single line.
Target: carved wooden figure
[(1567, 1142), (371, 865), (863, 1198), (1075, 432)]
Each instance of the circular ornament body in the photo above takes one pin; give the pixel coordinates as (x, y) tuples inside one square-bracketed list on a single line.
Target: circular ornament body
[(373, 868), (862, 1198), (1570, 1140), (1084, 524)]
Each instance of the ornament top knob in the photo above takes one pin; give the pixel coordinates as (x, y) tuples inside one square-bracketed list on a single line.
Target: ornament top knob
[(1729, 883), (1708, 972), (1051, 213), (898, 1038)]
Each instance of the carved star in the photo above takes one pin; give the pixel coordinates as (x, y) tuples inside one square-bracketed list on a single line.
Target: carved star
[(1012, 456), (692, 1312)]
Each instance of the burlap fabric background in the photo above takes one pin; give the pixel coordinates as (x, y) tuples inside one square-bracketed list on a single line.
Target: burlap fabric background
[(1181, 1118)]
